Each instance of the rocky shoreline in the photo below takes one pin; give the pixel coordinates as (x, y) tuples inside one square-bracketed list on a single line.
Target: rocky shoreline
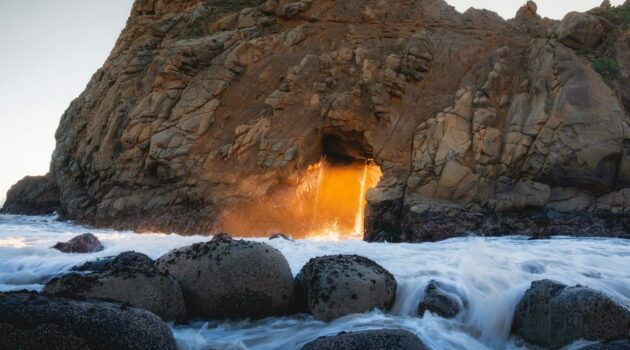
[(130, 297)]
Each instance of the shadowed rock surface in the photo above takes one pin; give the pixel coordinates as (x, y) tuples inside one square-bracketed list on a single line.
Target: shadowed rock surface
[(124, 261), (333, 286), (439, 301), (85, 243), (149, 290), (231, 279), (479, 124), (385, 339), (553, 315), (33, 195), (32, 321)]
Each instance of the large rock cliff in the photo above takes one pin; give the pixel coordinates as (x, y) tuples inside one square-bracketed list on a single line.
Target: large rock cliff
[(478, 124)]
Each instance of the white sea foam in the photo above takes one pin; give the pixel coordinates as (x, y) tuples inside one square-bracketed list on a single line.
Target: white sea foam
[(488, 274)]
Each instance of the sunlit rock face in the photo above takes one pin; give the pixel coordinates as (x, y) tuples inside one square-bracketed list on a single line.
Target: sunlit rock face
[(210, 116)]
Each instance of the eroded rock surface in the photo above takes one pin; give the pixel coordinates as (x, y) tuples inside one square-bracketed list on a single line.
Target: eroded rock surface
[(477, 123), (553, 315), (337, 285), (32, 321), (231, 279), (391, 339)]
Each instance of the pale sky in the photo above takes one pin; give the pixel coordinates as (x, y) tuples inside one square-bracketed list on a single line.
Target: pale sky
[(49, 49)]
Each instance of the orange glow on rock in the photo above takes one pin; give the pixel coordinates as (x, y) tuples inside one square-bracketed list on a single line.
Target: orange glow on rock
[(328, 204)]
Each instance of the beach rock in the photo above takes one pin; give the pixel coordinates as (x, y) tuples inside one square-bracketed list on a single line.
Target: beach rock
[(280, 236), (231, 279), (221, 237), (33, 195), (333, 286), (32, 321), (152, 291), (580, 30), (553, 315), (439, 301), (85, 243), (390, 339), (614, 345), (124, 261)]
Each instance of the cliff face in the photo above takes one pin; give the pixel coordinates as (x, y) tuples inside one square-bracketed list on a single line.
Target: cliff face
[(477, 123)]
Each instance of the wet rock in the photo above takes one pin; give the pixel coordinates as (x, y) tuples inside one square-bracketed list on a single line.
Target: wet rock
[(33, 195), (85, 243), (280, 236), (221, 237), (580, 30), (124, 261), (32, 321), (149, 290), (439, 301), (231, 279), (553, 315), (333, 286), (390, 339), (614, 345)]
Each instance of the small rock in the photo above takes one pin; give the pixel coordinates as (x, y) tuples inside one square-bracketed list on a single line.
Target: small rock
[(439, 301), (553, 315), (231, 279), (280, 235), (32, 321), (390, 339), (333, 286), (221, 237), (85, 243)]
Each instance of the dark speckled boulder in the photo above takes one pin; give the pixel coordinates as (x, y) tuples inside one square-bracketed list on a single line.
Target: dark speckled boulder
[(32, 321), (231, 279), (85, 243), (553, 315), (384, 339), (146, 289), (333, 286)]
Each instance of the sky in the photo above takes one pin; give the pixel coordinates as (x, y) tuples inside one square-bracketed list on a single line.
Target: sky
[(49, 49)]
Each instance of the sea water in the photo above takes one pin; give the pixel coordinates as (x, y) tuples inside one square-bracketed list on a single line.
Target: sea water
[(490, 274)]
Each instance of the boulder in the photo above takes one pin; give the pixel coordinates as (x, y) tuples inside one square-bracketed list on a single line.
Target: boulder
[(85, 243), (124, 261), (32, 321), (280, 236), (150, 290), (580, 30), (440, 301), (333, 286), (390, 339), (231, 279), (553, 315)]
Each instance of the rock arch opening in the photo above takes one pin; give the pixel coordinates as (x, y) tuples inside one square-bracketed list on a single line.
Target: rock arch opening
[(327, 201)]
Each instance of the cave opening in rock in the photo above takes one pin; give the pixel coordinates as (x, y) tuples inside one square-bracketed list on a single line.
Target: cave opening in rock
[(327, 202)]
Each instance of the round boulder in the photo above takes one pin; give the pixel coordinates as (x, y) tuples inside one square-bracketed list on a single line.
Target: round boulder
[(382, 339), (33, 321), (553, 315), (333, 286), (440, 299), (580, 30), (150, 290), (85, 243), (231, 279)]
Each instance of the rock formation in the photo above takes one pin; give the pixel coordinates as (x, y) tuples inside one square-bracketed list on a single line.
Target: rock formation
[(477, 123), (85, 243)]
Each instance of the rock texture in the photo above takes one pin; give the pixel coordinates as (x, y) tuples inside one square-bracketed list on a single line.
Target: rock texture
[(123, 261), (334, 286), (231, 279), (32, 321), (384, 339), (553, 315), (478, 123), (149, 290), (85, 243)]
